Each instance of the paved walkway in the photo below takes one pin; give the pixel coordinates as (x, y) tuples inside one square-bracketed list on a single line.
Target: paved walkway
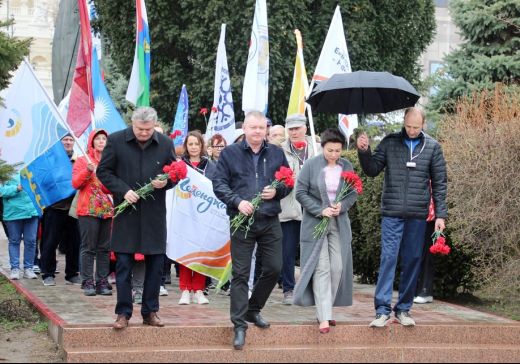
[(71, 307)]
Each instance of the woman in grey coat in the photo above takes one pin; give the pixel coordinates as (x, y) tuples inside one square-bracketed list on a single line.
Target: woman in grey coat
[(326, 263)]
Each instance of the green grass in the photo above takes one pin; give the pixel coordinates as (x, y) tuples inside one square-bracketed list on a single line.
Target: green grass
[(480, 301), (15, 312), (41, 326)]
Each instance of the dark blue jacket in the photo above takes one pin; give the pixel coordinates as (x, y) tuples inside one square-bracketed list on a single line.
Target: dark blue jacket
[(237, 178), (406, 191)]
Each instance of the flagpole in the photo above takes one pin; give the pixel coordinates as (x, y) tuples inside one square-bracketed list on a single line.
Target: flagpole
[(309, 114), (299, 53), (51, 102)]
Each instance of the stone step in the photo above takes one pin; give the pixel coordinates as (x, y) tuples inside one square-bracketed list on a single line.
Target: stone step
[(290, 335), (439, 353)]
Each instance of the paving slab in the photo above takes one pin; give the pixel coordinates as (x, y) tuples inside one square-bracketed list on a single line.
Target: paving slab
[(69, 306)]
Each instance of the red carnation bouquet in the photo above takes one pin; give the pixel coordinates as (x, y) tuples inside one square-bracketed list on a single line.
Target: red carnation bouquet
[(175, 172), (439, 244), (352, 184), (283, 176)]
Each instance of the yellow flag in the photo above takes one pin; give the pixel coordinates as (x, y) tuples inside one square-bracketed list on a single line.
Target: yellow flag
[(300, 84)]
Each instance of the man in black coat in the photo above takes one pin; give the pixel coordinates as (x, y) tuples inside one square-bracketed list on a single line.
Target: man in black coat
[(132, 158), (411, 159), (243, 170)]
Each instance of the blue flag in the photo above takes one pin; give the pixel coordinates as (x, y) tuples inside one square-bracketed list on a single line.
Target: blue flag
[(106, 115), (48, 179), (181, 117)]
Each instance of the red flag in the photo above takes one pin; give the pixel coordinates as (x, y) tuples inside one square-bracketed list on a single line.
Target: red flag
[(81, 103)]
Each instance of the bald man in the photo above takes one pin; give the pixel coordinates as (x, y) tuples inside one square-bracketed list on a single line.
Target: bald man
[(413, 161)]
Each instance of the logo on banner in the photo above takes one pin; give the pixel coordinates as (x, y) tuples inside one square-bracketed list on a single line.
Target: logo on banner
[(342, 60), (225, 115), (14, 124), (345, 122), (187, 191)]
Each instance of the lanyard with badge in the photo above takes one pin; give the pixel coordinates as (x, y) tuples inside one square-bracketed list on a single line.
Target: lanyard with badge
[(411, 163), (297, 155)]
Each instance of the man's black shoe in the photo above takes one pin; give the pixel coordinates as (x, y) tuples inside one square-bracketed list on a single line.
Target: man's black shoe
[(240, 339), (258, 320)]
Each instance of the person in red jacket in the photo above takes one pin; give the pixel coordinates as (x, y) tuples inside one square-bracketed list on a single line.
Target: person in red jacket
[(95, 212)]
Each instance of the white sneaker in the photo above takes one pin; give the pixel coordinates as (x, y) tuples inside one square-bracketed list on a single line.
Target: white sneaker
[(405, 319), (36, 269), (421, 300), (15, 274), (200, 298), (163, 291), (380, 321), (112, 278), (185, 298), (29, 274)]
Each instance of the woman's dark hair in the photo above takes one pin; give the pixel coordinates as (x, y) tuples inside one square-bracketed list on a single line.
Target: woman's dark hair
[(332, 135), (198, 135)]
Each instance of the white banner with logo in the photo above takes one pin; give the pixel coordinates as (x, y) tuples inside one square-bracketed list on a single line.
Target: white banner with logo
[(198, 227)]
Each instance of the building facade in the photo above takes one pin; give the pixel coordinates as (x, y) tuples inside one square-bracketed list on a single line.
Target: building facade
[(34, 19), (446, 40)]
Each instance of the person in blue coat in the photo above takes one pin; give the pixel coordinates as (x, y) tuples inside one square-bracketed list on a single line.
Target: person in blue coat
[(21, 219)]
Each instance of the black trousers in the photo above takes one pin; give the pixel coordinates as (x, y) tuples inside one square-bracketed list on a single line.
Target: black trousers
[(425, 282), (267, 233), (58, 226), (95, 246), (152, 283)]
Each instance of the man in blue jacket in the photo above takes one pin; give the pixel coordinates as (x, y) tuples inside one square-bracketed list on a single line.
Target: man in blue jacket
[(245, 169), (411, 159)]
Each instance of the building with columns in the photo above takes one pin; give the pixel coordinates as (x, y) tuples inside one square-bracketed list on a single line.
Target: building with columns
[(445, 41), (34, 19)]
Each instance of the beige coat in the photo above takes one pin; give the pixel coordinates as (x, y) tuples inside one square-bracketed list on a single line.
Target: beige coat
[(291, 209)]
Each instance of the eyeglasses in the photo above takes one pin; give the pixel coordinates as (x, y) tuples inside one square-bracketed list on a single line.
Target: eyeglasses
[(219, 146)]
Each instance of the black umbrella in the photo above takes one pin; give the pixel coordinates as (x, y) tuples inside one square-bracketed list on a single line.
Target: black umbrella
[(362, 92)]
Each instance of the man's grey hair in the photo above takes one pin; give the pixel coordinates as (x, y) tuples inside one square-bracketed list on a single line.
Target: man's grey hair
[(145, 114), (256, 115), (416, 109), (276, 127)]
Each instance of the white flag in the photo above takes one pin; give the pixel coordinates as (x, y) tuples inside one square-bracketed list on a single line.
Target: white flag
[(256, 81), (198, 227), (222, 118), (334, 59), (30, 123)]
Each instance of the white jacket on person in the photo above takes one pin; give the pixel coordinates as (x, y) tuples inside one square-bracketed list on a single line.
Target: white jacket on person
[(291, 209)]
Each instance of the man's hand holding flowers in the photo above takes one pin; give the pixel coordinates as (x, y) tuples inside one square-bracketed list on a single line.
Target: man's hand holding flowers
[(175, 172), (247, 209)]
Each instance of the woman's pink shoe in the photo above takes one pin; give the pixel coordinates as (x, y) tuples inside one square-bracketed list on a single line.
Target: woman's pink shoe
[(325, 330)]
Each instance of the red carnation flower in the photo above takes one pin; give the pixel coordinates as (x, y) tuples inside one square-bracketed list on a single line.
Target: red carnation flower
[(203, 111), (285, 176), (439, 246), (177, 171), (175, 134), (353, 180), (214, 109), (299, 145)]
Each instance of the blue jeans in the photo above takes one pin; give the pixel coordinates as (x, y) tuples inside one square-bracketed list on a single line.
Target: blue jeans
[(404, 238), (25, 229)]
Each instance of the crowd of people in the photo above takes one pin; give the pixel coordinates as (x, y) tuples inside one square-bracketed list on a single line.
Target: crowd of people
[(132, 245)]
